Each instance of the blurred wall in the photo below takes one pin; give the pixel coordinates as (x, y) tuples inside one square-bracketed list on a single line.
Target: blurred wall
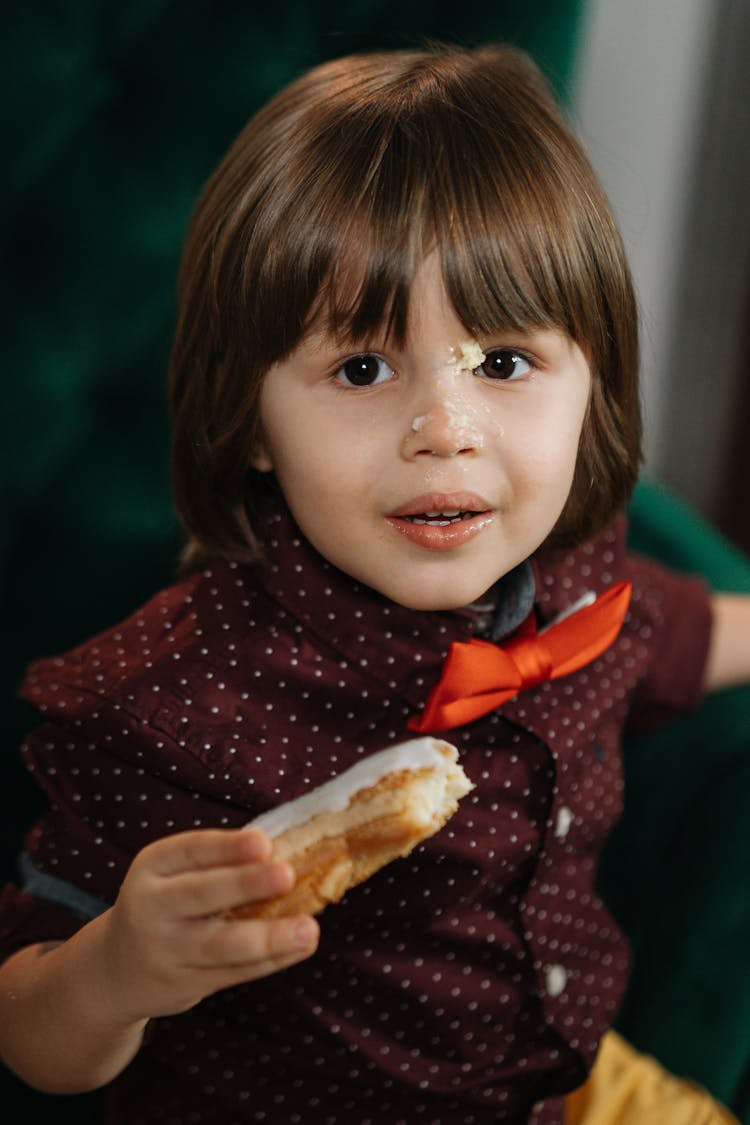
[(662, 97)]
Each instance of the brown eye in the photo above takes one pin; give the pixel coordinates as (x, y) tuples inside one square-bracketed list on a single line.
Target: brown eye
[(504, 364), (364, 371)]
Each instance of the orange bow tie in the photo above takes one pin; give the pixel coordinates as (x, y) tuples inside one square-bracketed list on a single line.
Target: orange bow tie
[(478, 676)]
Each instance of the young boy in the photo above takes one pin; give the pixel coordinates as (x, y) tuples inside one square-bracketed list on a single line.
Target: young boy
[(405, 410)]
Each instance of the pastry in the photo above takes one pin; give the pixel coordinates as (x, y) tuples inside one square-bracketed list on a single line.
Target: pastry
[(339, 834)]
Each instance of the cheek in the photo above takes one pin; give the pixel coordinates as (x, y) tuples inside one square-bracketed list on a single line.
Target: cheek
[(563, 430), (544, 457), (300, 466), (317, 465), (550, 458), (288, 445)]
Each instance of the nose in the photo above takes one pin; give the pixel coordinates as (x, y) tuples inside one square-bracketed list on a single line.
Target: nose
[(446, 427)]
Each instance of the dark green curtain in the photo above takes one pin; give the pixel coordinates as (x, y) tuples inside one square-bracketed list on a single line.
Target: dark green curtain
[(676, 870), (114, 115)]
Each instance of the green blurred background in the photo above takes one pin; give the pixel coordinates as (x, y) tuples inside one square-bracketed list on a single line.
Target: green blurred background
[(113, 117)]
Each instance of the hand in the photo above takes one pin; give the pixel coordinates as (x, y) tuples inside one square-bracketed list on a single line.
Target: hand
[(162, 948)]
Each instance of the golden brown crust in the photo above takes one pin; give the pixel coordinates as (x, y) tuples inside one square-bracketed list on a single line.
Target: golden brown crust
[(335, 851)]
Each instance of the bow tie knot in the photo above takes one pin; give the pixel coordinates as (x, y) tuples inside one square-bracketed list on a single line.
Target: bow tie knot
[(532, 658), (478, 676)]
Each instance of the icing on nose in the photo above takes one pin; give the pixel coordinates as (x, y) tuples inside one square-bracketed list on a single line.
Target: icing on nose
[(463, 423), (453, 425)]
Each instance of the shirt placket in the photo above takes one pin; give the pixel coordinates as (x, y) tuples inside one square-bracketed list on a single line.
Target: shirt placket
[(573, 944)]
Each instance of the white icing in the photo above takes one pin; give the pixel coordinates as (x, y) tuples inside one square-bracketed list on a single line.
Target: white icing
[(334, 795), (462, 421), (459, 417), (458, 414)]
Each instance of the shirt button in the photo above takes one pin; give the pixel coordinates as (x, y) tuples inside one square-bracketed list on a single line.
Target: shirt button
[(557, 978), (484, 622), (564, 821)]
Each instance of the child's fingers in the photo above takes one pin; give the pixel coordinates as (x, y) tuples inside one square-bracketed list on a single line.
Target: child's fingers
[(213, 979), (196, 894), (254, 945), (205, 847)]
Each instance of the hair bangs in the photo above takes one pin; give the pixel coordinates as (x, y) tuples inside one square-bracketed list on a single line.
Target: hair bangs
[(365, 232), (513, 251), (500, 213)]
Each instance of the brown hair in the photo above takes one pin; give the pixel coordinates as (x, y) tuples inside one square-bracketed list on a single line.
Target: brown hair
[(359, 168)]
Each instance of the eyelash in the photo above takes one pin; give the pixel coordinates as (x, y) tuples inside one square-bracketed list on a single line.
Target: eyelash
[(362, 356), (515, 353)]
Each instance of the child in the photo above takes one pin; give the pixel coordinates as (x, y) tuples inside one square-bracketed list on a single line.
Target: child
[(405, 414)]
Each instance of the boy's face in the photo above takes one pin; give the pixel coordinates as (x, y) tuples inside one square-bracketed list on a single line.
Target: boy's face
[(422, 471)]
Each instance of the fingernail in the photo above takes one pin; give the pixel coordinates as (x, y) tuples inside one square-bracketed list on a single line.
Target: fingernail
[(304, 932)]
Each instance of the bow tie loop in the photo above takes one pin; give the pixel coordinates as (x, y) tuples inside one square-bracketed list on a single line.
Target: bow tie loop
[(478, 676)]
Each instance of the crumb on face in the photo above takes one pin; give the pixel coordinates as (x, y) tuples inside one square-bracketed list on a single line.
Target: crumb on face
[(470, 355)]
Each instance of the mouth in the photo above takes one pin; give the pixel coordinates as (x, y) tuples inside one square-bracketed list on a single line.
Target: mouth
[(442, 522), (442, 505), (440, 519)]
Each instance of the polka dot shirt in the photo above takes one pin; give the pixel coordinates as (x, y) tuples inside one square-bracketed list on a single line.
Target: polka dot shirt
[(466, 984)]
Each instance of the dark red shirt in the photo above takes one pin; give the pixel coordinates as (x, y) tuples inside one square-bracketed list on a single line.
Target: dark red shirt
[(468, 983)]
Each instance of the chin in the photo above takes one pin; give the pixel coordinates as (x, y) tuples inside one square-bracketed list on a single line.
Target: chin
[(429, 605), (434, 601)]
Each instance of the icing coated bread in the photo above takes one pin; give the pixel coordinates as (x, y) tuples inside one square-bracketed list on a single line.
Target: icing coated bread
[(342, 832)]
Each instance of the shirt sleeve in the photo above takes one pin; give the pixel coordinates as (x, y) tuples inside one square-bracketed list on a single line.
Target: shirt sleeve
[(26, 919), (113, 783), (673, 617), (72, 860)]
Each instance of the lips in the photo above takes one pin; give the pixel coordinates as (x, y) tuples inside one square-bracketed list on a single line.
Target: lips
[(442, 521), (449, 504)]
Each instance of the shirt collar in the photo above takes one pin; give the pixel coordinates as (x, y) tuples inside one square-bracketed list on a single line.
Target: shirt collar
[(515, 601)]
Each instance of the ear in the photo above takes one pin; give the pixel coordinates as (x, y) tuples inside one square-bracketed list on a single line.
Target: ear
[(260, 456)]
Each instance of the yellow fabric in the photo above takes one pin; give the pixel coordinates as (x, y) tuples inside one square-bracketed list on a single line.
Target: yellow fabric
[(628, 1088)]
